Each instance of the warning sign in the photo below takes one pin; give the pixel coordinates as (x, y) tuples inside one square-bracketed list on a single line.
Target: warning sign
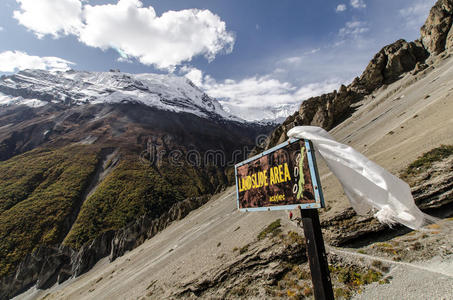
[(284, 177)]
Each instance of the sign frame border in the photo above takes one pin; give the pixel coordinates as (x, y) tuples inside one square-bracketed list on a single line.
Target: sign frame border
[(319, 198)]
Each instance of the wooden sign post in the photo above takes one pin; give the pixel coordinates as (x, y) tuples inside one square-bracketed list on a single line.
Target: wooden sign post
[(286, 177), (319, 268)]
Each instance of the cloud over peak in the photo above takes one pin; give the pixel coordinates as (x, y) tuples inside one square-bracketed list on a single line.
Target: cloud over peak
[(134, 31), (258, 97), (11, 61)]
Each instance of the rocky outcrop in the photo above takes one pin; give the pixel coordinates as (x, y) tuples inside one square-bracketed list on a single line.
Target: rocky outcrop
[(348, 227), (90, 254), (41, 268), (387, 66), (436, 33), (258, 267), (49, 265), (431, 187), (330, 109)]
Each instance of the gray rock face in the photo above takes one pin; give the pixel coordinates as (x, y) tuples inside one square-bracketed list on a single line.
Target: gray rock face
[(49, 265), (386, 67), (436, 33), (348, 227), (145, 227), (330, 109), (40, 268), (433, 187), (390, 63), (90, 254)]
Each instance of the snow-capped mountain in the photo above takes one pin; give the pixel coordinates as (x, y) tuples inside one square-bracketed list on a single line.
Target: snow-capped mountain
[(39, 107), (36, 88), (267, 114)]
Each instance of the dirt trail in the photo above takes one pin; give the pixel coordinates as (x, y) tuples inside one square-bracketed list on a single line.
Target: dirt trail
[(389, 261)]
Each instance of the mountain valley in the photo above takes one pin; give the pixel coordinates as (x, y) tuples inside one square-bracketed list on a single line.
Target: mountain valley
[(119, 186)]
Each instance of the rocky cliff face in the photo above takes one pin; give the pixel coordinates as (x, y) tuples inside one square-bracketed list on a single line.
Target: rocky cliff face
[(436, 33), (387, 66), (48, 265)]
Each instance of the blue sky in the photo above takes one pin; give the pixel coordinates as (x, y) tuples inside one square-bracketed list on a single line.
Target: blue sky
[(245, 53)]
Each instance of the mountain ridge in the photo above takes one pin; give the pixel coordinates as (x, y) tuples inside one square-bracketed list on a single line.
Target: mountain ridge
[(36, 88)]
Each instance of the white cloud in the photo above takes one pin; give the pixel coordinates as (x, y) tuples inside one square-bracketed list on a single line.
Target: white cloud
[(11, 61), (297, 60), (312, 51), (1, 28), (50, 17), (292, 60), (251, 92), (258, 97), (279, 71), (130, 28), (193, 74), (416, 14), (358, 4), (317, 88), (340, 8), (353, 29), (264, 97)]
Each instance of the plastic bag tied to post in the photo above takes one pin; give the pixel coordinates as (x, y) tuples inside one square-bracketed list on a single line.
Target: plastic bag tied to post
[(367, 185)]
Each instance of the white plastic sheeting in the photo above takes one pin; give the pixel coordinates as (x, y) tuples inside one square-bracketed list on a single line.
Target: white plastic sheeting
[(366, 184)]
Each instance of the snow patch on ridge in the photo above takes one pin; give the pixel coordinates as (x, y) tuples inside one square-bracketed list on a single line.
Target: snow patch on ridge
[(273, 114), (166, 92), (7, 100)]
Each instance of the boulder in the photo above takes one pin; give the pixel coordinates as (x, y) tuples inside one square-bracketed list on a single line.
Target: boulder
[(436, 33)]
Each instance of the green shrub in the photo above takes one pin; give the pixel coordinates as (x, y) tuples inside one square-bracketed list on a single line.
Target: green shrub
[(426, 160), (130, 191), (271, 228), (42, 190)]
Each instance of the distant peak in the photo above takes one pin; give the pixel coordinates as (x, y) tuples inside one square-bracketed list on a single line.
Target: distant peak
[(166, 92)]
